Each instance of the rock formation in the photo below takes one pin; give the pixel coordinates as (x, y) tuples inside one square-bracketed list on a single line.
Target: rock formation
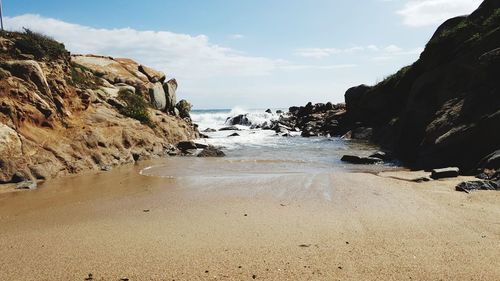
[(441, 111), (62, 114)]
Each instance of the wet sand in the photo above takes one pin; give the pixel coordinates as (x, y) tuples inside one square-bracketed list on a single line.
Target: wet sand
[(262, 224)]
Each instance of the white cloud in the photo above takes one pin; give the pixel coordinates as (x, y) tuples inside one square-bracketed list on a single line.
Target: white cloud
[(181, 55), (382, 52), (237, 36), (431, 12)]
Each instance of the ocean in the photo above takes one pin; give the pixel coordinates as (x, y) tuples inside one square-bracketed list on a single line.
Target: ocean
[(265, 146)]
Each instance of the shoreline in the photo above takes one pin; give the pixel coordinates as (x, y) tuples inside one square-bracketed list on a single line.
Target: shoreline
[(324, 226)]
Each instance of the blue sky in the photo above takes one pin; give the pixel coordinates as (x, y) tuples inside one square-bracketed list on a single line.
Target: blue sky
[(252, 54)]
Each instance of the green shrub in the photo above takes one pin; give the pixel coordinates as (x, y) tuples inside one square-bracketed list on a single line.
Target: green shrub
[(398, 75), (493, 19), (137, 107), (40, 46)]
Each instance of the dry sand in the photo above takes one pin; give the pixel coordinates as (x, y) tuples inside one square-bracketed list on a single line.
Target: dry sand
[(314, 226)]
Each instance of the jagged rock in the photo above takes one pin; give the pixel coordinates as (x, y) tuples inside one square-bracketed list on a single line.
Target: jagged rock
[(209, 130), (241, 119), (353, 159), (451, 172), (211, 151), (157, 96), (170, 88), (152, 75), (186, 145), (184, 108), (477, 185), (231, 128), (113, 70), (269, 111), (234, 135)]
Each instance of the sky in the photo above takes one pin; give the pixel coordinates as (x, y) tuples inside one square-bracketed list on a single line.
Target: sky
[(248, 53)]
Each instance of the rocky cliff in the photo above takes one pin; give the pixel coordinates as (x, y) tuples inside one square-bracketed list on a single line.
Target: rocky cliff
[(445, 108), (62, 114)]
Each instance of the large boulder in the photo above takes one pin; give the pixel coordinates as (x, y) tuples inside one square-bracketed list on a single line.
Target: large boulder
[(241, 119), (113, 70), (154, 76), (170, 88), (157, 96), (184, 108)]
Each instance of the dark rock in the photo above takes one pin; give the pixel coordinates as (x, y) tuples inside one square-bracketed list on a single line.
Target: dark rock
[(491, 161), (201, 145), (184, 108), (231, 128), (211, 151), (382, 155), (269, 111), (353, 159), (241, 119), (209, 130), (477, 185), (234, 135), (203, 136), (451, 172), (360, 133), (186, 145), (279, 111)]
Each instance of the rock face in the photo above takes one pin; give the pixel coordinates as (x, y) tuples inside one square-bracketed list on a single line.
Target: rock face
[(170, 89), (443, 109), (60, 115), (157, 96)]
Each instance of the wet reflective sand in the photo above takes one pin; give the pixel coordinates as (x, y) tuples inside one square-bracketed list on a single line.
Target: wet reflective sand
[(230, 219)]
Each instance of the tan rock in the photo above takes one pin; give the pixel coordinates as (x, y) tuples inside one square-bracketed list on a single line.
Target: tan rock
[(170, 88), (10, 149), (153, 75)]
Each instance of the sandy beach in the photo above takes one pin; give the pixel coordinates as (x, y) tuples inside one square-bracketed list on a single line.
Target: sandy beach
[(297, 226)]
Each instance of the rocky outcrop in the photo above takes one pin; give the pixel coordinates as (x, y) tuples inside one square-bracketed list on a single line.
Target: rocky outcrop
[(443, 110), (62, 114), (170, 89)]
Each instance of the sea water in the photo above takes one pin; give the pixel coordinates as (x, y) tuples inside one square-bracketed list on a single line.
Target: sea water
[(266, 145)]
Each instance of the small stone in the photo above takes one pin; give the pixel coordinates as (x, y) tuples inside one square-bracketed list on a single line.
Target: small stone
[(254, 276), (451, 172), (146, 211), (246, 215)]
